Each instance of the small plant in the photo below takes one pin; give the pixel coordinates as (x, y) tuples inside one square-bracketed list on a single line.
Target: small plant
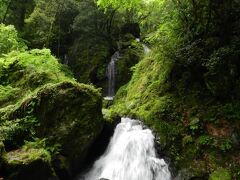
[(226, 145), (187, 140), (205, 140), (194, 125)]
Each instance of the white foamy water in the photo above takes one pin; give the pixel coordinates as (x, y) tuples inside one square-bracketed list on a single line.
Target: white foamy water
[(146, 49), (130, 156), (108, 98)]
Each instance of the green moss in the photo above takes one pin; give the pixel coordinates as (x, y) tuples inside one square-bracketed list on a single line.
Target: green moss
[(23, 72), (27, 155), (17, 130), (130, 51), (8, 93), (220, 174)]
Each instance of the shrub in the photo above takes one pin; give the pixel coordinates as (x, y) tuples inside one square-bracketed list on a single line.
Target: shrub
[(9, 40)]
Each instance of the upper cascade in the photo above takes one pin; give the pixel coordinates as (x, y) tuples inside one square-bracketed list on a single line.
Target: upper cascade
[(111, 75)]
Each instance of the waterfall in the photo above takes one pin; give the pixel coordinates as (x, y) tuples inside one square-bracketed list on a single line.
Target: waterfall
[(146, 49), (111, 71), (130, 155), (111, 75)]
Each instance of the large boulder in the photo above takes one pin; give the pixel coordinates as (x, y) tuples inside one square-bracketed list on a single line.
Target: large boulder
[(40, 101), (68, 115)]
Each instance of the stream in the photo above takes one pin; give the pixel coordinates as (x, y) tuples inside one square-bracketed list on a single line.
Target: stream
[(130, 154)]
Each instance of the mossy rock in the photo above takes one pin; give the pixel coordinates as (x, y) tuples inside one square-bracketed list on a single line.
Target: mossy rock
[(29, 163), (23, 72), (130, 54), (67, 113), (220, 174), (40, 99)]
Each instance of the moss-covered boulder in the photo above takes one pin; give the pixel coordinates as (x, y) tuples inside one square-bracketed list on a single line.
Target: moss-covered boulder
[(29, 163), (47, 120), (67, 114)]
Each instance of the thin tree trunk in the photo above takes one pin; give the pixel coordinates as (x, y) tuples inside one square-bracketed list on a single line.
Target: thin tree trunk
[(5, 15)]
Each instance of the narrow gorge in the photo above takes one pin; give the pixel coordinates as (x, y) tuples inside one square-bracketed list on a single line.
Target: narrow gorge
[(119, 90)]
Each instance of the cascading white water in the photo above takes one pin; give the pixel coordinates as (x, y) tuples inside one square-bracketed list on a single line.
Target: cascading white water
[(146, 49), (111, 75), (130, 155)]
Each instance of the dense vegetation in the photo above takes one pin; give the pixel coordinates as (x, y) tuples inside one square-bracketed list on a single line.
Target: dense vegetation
[(186, 89)]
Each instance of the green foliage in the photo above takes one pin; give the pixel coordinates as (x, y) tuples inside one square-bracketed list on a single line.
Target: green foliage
[(230, 111), (28, 70), (9, 40), (142, 91), (119, 4), (14, 12), (130, 54), (42, 103), (53, 150), (189, 80), (195, 125), (205, 140), (17, 129), (226, 145), (7, 93), (3, 8), (39, 25)]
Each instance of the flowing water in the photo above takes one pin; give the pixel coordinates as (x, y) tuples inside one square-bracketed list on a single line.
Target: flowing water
[(111, 75), (111, 72), (130, 155), (146, 49)]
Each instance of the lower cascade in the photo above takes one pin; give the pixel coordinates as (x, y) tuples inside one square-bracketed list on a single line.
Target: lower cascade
[(130, 155)]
